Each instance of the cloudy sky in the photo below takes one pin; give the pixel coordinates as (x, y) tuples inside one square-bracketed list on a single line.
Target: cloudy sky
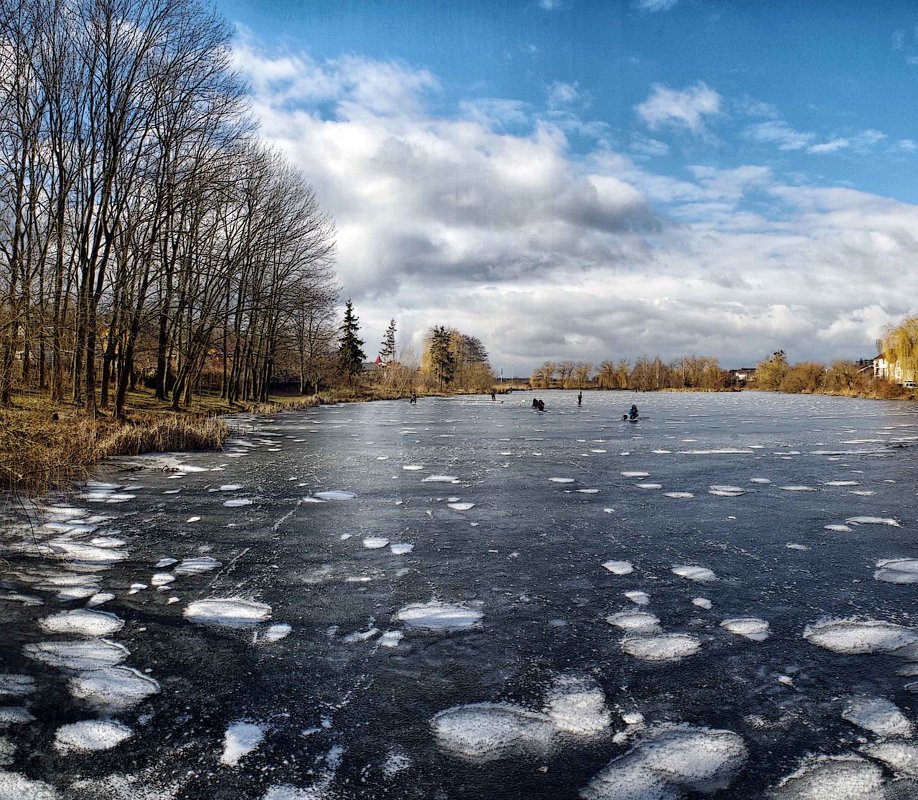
[(568, 179)]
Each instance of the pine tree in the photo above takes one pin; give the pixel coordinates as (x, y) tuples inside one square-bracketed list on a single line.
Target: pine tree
[(387, 352), (350, 355), (441, 355)]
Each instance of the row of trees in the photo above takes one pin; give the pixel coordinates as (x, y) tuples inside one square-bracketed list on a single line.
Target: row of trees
[(688, 372), (143, 228)]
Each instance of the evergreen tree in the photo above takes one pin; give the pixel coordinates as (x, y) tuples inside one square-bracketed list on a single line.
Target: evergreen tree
[(387, 352), (441, 354), (350, 355)]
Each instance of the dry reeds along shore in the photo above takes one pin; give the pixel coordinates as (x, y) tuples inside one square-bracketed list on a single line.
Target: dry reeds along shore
[(45, 447)]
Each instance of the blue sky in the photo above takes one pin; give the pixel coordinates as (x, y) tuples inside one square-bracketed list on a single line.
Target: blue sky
[(586, 180)]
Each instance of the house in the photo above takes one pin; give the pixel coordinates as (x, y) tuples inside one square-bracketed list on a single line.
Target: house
[(742, 375), (893, 371)]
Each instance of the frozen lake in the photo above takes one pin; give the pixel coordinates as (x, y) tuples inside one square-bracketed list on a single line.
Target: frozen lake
[(468, 599)]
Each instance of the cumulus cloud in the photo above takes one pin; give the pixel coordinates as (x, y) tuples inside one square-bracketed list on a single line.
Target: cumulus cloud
[(687, 108), (486, 220)]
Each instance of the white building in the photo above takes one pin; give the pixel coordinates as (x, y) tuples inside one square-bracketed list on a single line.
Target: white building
[(893, 371)]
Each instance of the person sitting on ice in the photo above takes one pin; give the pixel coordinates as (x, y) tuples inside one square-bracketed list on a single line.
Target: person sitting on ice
[(633, 413)]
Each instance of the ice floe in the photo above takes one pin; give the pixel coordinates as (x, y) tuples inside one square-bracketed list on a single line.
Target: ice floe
[(678, 495), (855, 636), (846, 777), (274, 633), (694, 573), (440, 479), (837, 528), (872, 521), (15, 715), (241, 738), (196, 565), (661, 647), (491, 731), (461, 506), (638, 597), (437, 616), (668, 762), (13, 685), (577, 705), (701, 602), (635, 621), (334, 494), (390, 638), (798, 488), (375, 542), (649, 485), (561, 480), (900, 756), (619, 567), (400, 549), (14, 786), (227, 612), (82, 621), (78, 655), (114, 688), (726, 491), (237, 502), (877, 715), (897, 570), (635, 474), (748, 627), (90, 736)]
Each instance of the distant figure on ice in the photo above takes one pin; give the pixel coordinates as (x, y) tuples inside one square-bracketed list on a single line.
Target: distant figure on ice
[(580, 399), (413, 398), (633, 413), (541, 405), (535, 403), (493, 395)]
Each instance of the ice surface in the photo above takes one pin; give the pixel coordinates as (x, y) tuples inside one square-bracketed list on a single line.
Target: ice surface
[(639, 621), (854, 636), (375, 543), (577, 705), (78, 655), (162, 579), (701, 602), (877, 715), (197, 565), (847, 777), (872, 521), (619, 567), (638, 597), (401, 549), (694, 573), (678, 495), (669, 761), (837, 528), (461, 506), (90, 736), (760, 480), (897, 570), (749, 627), (798, 488), (230, 487), (661, 647), (165, 562), (99, 598), (83, 622), (334, 495), (437, 616), (489, 731), (440, 479), (241, 739), (635, 474), (561, 480), (227, 612), (649, 485), (112, 687)]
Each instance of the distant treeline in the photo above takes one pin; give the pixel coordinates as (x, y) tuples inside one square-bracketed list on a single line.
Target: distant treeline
[(690, 372)]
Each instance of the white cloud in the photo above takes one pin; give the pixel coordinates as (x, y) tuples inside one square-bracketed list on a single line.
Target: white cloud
[(832, 146), (686, 108), (654, 6), (780, 133), (545, 254)]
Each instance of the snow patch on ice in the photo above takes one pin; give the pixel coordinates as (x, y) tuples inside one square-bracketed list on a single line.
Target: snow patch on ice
[(872, 521), (227, 612), (661, 647), (113, 687), (375, 543), (694, 573), (669, 761), (877, 715), (749, 627), (241, 738), (437, 616), (82, 622), (90, 736), (619, 567), (897, 570), (853, 636), (846, 777), (334, 494), (635, 621), (78, 656)]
